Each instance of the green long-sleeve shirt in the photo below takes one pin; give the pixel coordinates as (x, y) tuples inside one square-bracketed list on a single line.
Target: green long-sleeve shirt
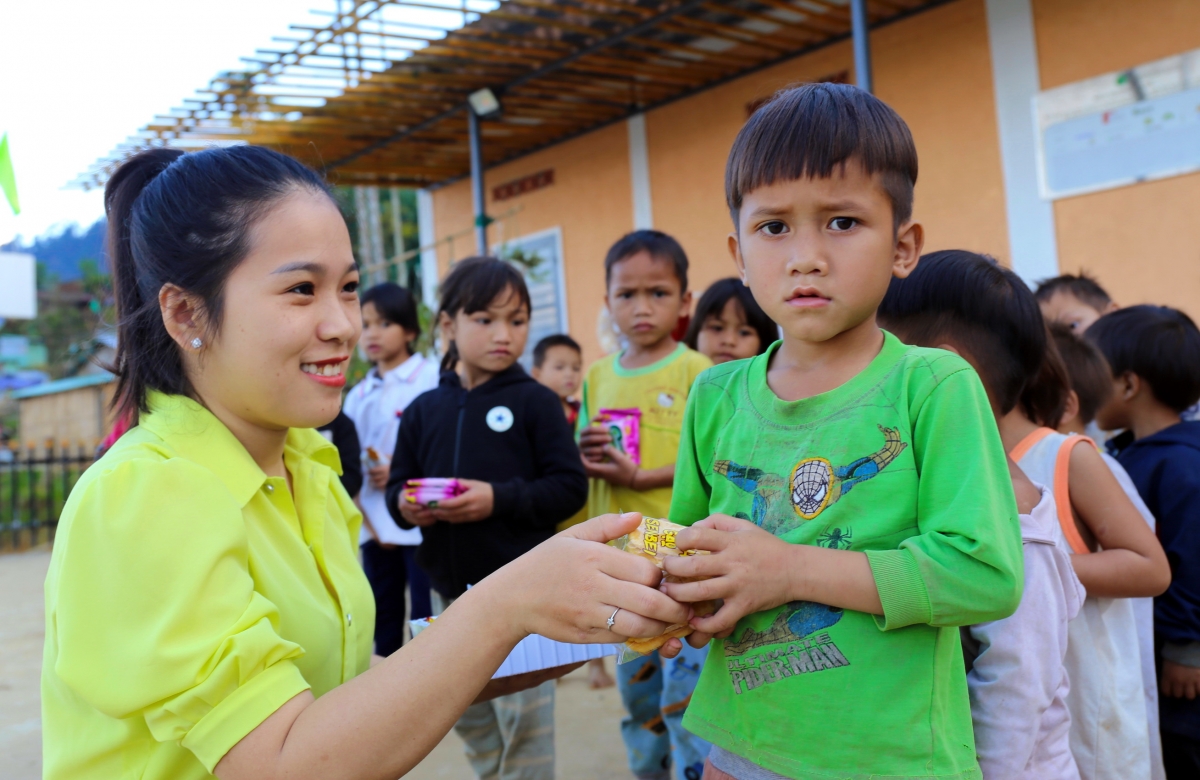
[(904, 463)]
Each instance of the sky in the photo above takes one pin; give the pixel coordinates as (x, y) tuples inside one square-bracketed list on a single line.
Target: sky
[(78, 77), (81, 76)]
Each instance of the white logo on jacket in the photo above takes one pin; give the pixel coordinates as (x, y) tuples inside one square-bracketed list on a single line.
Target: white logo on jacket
[(499, 418)]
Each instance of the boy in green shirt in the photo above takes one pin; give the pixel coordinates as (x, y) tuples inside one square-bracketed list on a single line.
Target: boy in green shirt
[(876, 510), (647, 292)]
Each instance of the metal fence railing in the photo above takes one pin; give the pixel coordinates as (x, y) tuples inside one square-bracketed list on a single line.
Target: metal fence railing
[(34, 486)]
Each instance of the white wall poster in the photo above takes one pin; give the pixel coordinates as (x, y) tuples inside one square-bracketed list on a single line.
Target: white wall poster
[(1120, 128), (539, 257)]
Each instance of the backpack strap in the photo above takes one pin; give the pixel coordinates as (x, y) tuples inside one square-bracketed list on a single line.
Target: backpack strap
[(1025, 445), (1062, 493)]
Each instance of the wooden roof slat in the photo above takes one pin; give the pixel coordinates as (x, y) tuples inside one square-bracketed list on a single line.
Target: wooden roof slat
[(388, 93)]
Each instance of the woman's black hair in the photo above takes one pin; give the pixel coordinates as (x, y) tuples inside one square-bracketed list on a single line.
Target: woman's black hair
[(712, 303), (985, 311), (185, 220), (396, 305), (471, 286)]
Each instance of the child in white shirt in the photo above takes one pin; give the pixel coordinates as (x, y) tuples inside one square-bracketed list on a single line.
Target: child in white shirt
[(1091, 385), (390, 331)]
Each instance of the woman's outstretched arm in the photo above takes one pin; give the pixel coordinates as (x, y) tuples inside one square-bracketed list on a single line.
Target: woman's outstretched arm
[(385, 721)]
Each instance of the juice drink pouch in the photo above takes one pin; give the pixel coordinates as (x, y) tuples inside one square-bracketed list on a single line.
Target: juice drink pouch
[(655, 539), (624, 425), (429, 491)]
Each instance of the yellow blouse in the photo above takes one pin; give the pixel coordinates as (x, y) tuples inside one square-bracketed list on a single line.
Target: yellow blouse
[(189, 596)]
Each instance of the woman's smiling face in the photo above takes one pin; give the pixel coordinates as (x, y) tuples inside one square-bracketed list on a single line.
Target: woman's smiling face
[(289, 320)]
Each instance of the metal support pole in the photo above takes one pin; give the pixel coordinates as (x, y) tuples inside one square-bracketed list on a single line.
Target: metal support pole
[(477, 199), (860, 26)]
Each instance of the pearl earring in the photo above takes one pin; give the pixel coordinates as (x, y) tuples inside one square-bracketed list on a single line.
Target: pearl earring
[(197, 343)]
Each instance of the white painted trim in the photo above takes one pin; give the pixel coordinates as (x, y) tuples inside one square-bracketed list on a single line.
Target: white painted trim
[(1031, 233), (429, 259), (639, 172)]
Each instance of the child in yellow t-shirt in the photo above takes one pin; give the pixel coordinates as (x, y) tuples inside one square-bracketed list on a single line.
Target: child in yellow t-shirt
[(649, 380)]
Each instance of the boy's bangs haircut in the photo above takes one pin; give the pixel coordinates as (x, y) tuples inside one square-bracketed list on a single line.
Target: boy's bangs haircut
[(1083, 287), (983, 309), (712, 304), (557, 340), (1087, 370), (811, 130), (655, 243), (1159, 344)]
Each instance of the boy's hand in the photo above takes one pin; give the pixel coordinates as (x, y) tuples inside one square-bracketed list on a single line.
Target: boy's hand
[(474, 504), (592, 441), (379, 476), (415, 514), (750, 569), (616, 468), (1179, 681)]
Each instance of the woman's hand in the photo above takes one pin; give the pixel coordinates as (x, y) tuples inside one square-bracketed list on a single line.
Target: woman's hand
[(415, 514), (472, 505), (567, 587)]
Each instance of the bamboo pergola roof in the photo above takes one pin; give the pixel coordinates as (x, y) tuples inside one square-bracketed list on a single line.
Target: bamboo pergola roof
[(375, 97)]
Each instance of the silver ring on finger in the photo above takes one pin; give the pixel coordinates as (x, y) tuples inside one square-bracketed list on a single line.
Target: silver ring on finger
[(613, 618)]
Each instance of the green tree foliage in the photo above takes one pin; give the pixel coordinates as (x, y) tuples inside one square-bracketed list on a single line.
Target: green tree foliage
[(70, 314)]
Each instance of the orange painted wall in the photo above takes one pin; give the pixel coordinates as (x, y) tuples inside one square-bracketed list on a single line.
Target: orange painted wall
[(591, 201), (934, 69), (1141, 241)]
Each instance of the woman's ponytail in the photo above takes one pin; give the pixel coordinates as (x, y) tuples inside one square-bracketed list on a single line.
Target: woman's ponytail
[(135, 314), (184, 220)]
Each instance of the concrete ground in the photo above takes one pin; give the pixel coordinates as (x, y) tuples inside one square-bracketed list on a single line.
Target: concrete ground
[(588, 739)]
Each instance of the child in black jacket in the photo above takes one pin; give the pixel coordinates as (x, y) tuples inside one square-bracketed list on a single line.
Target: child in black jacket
[(504, 437)]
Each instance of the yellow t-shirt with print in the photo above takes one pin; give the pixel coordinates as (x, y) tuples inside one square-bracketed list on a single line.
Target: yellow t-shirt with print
[(660, 391)]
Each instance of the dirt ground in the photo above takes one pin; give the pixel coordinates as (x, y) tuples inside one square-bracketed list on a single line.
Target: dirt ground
[(586, 721)]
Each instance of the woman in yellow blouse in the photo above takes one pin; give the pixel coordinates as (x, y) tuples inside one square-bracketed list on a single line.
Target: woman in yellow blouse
[(205, 611)]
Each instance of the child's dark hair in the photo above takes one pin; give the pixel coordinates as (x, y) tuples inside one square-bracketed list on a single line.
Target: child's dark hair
[(557, 340), (471, 286), (983, 309), (183, 219), (712, 303), (1083, 287), (396, 305), (1087, 370), (810, 130), (657, 244), (1159, 344)]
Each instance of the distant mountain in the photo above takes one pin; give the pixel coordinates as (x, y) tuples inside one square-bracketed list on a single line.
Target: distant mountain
[(61, 253)]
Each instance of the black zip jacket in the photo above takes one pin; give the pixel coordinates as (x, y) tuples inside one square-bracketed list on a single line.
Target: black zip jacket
[(510, 431)]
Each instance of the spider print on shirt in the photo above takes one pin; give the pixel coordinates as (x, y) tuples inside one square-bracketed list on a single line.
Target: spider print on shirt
[(813, 485)]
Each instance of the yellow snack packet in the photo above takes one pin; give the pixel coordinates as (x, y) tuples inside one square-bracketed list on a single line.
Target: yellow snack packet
[(654, 539)]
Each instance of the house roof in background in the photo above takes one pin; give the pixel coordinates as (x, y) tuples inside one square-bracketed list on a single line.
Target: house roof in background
[(374, 97), (64, 385)]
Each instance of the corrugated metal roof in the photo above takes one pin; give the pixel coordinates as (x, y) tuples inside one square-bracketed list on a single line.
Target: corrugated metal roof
[(64, 385)]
